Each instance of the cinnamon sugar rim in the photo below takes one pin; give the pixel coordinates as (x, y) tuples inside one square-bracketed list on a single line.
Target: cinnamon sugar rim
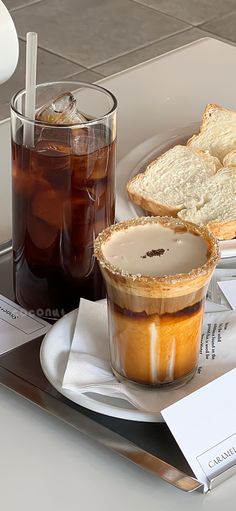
[(213, 252)]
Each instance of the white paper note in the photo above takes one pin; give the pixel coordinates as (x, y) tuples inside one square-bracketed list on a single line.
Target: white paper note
[(215, 297), (17, 326), (204, 426), (228, 287)]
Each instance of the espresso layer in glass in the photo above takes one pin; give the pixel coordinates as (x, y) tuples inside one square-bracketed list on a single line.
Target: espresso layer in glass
[(154, 349)]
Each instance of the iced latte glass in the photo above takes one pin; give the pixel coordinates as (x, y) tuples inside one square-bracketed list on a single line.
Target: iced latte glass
[(156, 271), (63, 185)]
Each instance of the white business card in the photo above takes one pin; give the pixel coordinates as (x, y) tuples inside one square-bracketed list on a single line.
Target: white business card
[(17, 326), (228, 287), (204, 425)]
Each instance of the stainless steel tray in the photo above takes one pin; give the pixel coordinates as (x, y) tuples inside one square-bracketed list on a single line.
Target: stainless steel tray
[(149, 445)]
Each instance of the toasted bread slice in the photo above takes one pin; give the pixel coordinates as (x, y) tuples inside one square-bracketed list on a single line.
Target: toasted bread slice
[(230, 159), (217, 134), (216, 206), (170, 182)]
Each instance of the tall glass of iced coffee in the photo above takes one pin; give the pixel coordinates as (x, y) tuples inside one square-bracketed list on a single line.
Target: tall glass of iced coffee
[(156, 270), (63, 194)]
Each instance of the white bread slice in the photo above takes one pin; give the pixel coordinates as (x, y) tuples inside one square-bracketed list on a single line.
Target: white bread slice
[(230, 159), (217, 133), (216, 207), (169, 182)]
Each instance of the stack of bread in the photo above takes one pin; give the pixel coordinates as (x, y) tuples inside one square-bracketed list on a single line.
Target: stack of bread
[(196, 182)]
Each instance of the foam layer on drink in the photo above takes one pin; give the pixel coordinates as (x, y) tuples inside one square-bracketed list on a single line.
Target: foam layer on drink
[(155, 250)]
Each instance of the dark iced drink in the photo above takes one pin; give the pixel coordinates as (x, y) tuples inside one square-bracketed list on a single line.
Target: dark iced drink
[(63, 196)]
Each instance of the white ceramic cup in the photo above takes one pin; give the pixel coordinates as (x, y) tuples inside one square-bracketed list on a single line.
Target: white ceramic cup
[(9, 46)]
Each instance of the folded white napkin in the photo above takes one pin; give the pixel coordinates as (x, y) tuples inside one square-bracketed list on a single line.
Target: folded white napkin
[(88, 368)]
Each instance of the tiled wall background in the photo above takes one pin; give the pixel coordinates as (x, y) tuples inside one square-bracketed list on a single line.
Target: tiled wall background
[(90, 39)]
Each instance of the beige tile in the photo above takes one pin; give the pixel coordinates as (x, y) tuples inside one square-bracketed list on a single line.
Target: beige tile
[(192, 11), (223, 26), (93, 31), (17, 4), (86, 76), (50, 68), (138, 56)]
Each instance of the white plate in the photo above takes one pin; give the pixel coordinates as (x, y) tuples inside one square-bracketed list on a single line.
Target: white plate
[(54, 354), (138, 158)]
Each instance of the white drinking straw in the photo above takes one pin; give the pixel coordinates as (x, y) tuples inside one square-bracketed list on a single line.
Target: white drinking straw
[(30, 86)]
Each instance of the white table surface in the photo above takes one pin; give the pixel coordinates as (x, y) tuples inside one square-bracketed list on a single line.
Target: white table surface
[(45, 464)]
